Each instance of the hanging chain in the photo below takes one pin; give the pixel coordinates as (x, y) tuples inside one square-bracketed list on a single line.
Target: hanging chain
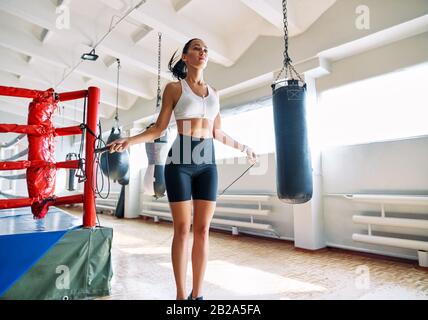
[(158, 97), (116, 117), (286, 57), (287, 66)]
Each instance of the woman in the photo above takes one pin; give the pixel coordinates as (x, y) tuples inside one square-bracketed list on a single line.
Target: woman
[(190, 170)]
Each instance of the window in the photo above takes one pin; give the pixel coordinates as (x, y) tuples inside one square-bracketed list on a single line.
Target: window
[(390, 106), (253, 128)]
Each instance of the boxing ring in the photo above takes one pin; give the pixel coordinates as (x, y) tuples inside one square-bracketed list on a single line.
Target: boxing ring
[(45, 252)]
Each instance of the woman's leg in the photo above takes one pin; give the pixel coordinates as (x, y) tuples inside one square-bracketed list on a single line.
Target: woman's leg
[(181, 214), (178, 186), (202, 215), (204, 191)]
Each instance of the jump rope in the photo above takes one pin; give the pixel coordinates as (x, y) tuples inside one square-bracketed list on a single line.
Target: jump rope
[(100, 146), (105, 149)]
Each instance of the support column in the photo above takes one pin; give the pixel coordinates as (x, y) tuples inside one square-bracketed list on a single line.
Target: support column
[(137, 159), (308, 217)]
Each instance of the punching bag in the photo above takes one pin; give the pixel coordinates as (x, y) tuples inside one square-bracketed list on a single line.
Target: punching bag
[(115, 165), (293, 158), (71, 176), (120, 207), (125, 180), (154, 179), (161, 152)]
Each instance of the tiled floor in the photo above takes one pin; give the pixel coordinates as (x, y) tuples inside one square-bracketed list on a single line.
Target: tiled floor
[(255, 268)]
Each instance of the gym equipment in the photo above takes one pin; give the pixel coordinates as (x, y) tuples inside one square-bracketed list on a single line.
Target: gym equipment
[(154, 178), (41, 165), (116, 165), (293, 158), (71, 176), (157, 150)]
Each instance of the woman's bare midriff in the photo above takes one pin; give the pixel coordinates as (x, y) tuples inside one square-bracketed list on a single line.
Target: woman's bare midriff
[(196, 127)]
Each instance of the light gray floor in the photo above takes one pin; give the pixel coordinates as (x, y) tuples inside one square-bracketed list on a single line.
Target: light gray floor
[(254, 268)]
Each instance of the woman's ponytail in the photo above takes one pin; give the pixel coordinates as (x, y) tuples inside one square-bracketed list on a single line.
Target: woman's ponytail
[(179, 68)]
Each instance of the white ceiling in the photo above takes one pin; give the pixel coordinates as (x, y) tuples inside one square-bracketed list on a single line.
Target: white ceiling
[(35, 53)]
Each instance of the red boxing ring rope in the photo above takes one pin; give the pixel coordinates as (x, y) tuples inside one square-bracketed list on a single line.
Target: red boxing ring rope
[(41, 165)]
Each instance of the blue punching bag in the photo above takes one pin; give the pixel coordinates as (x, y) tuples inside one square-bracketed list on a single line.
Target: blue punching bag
[(116, 165), (154, 179), (293, 158), (161, 152)]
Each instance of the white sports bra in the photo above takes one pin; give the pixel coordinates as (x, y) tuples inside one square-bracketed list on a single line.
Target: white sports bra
[(190, 105)]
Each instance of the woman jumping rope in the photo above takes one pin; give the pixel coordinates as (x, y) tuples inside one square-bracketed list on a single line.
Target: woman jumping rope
[(190, 169)]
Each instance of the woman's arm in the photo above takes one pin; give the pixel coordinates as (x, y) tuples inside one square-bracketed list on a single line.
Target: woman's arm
[(224, 138), (154, 131)]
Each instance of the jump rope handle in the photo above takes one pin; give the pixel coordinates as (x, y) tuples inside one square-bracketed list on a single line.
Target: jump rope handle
[(102, 150)]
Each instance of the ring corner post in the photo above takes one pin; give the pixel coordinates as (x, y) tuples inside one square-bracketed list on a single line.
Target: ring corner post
[(89, 211)]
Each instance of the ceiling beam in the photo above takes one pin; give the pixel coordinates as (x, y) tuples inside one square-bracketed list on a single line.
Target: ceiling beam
[(63, 2), (162, 17), (46, 35), (271, 11), (13, 64), (179, 4), (25, 43), (139, 36), (42, 14)]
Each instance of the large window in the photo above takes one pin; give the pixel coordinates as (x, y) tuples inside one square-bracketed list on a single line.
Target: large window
[(253, 128), (391, 106)]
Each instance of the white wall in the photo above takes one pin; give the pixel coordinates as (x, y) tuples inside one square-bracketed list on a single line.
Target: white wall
[(392, 167), (261, 179)]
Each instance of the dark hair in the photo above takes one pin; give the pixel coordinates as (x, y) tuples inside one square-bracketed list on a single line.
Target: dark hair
[(179, 70)]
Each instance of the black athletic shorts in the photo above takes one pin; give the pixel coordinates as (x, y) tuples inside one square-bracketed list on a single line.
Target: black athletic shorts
[(190, 170)]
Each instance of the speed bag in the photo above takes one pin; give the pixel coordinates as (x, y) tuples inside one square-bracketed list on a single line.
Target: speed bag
[(71, 176), (115, 165), (293, 157), (125, 180)]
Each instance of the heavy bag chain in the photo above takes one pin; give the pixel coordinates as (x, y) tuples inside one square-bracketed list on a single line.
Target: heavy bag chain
[(287, 66), (158, 98), (116, 117)]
